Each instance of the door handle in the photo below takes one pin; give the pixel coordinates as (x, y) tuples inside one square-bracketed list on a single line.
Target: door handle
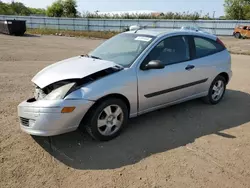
[(190, 67)]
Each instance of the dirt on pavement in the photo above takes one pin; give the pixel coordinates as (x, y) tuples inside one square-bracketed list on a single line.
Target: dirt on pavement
[(187, 145), (237, 46)]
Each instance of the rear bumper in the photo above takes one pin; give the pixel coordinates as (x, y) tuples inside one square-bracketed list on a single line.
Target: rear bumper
[(44, 117)]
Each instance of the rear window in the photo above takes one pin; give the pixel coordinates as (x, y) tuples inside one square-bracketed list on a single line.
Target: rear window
[(205, 47)]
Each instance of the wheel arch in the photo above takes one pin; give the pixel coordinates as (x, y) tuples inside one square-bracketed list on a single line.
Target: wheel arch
[(237, 32), (225, 75), (103, 98), (114, 95)]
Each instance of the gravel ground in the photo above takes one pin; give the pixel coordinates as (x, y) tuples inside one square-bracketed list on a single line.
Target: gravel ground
[(187, 145), (237, 46)]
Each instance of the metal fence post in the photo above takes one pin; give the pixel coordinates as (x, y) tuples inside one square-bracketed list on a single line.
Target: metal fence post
[(214, 27), (120, 28), (87, 24), (58, 25), (31, 23), (44, 22), (104, 22)]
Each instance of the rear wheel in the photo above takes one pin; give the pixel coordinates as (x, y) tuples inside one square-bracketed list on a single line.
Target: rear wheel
[(216, 91), (106, 120)]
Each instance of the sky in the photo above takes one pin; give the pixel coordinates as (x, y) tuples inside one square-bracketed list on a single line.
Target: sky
[(206, 6)]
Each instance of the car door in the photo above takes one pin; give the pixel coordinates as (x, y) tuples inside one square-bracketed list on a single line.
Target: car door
[(175, 81)]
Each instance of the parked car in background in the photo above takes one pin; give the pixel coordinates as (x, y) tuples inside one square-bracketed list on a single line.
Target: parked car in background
[(242, 32), (132, 73)]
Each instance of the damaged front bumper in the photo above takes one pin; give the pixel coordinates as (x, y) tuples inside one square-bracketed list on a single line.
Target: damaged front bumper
[(44, 117)]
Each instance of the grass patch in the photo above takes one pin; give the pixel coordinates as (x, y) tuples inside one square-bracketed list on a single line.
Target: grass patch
[(88, 34)]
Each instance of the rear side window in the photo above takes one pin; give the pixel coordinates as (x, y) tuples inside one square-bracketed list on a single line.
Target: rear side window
[(205, 47)]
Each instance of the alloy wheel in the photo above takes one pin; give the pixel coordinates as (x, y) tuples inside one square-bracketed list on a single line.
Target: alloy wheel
[(218, 90), (110, 120)]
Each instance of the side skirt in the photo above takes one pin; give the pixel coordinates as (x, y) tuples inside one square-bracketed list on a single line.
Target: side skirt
[(203, 94)]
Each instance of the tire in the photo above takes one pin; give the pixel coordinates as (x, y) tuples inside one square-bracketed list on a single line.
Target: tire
[(210, 98), (237, 35), (112, 124)]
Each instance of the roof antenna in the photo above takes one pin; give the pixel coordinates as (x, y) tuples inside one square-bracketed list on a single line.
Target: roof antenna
[(143, 27), (137, 30)]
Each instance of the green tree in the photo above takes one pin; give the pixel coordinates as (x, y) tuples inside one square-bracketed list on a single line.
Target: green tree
[(61, 8), (237, 9), (247, 9), (5, 9), (19, 8), (37, 11), (69, 7), (56, 9)]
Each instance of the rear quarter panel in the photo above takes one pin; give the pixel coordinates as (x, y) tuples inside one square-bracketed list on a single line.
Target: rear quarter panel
[(217, 63)]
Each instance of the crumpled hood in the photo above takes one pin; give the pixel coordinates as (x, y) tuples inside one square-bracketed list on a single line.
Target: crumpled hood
[(72, 68)]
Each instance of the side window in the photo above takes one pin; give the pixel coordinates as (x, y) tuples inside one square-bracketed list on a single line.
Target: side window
[(205, 47), (170, 50)]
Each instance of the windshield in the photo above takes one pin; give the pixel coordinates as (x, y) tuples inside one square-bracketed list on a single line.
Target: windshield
[(122, 49)]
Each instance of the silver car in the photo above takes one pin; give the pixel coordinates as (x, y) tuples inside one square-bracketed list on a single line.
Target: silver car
[(133, 73)]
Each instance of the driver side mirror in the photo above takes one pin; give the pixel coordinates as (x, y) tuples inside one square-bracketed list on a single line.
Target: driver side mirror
[(155, 64)]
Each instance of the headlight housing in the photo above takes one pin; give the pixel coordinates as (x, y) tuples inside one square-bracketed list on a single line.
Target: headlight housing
[(60, 92)]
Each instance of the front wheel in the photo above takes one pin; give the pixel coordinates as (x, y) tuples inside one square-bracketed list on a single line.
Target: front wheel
[(237, 35), (216, 91), (106, 120)]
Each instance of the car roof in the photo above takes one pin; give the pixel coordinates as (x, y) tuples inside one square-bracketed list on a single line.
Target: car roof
[(162, 32)]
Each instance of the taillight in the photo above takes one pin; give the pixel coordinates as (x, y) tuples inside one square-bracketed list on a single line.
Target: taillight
[(220, 42)]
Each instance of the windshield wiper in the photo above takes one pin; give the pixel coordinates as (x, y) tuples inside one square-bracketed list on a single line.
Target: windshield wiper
[(90, 56)]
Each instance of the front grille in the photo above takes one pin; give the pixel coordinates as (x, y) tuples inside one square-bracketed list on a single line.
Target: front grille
[(24, 121)]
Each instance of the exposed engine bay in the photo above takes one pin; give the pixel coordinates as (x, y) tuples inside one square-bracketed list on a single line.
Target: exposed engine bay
[(41, 93)]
